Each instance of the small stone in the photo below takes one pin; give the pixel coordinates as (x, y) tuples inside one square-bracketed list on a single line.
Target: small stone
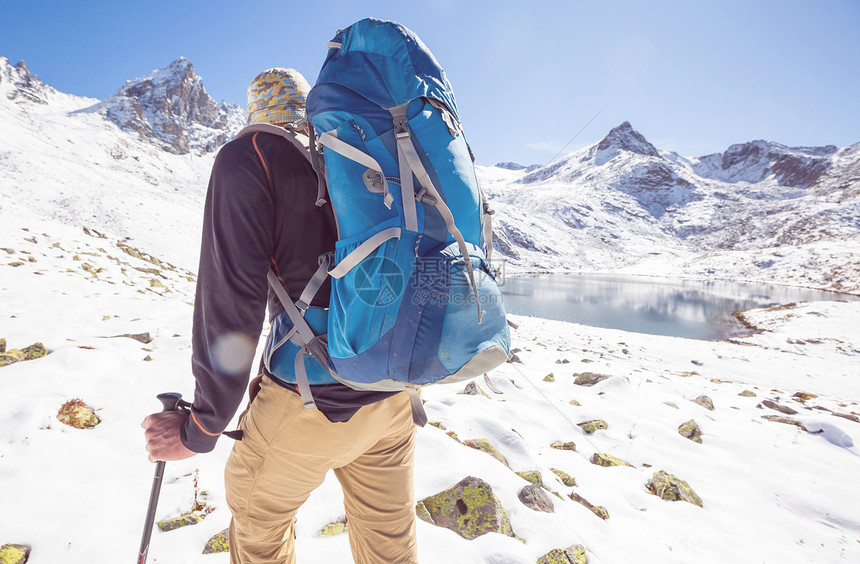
[(608, 460), (486, 446), (75, 413), (747, 394), (562, 361), (147, 358), (705, 402), (144, 338), (780, 408), (218, 543), (437, 424), (454, 436), (549, 377), (691, 430), (671, 488), (572, 555), (155, 283), (591, 426), (670, 404), (568, 445), (14, 553), (332, 529), (565, 478), (532, 476), (34, 351), (574, 402), (781, 419), (534, 497), (2, 345), (514, 359), (598, 510), (803, 396), (472, 389), (470, 509), (182, 521), (589, 378)]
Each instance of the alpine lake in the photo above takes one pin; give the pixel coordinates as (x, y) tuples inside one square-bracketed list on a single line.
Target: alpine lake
[(695, 309)]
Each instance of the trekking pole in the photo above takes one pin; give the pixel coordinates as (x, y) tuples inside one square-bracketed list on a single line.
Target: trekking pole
[(171, 401)]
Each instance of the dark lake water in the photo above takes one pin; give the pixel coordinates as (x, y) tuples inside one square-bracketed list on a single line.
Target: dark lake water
[(657, 306)]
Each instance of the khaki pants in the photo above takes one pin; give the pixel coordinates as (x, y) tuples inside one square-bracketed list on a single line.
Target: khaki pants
[(285, 454)]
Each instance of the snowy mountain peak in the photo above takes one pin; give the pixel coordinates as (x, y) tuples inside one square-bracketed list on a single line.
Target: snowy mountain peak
[(170, 108), (625, 138), (19, 85)]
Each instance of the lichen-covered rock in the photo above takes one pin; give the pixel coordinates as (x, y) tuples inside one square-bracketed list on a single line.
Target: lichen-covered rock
[(574, 402), (11, 356), (332, 529), (218, 543), (182, 521), (602, 459), (572, 555), (705, 402), (669, 487), (470, 509), (422, 513), (598, 510), (438, 425), (2, 345), (565, 478), (567, 445), (691, 430), (591, 426), (549, 377), (454, 436), (75, 413), (589, 378), (472, 389), (747, 394), (486, 446), (531, 476), (781, 419), (534, 497), (14, 554)]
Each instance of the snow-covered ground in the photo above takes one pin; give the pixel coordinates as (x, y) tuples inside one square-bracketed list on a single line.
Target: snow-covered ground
[(771, 491)]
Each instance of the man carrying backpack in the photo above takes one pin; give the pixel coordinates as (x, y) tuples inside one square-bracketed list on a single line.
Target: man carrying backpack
[(261, 213)]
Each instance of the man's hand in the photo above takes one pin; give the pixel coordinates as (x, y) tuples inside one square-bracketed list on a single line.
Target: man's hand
[(162, 436)]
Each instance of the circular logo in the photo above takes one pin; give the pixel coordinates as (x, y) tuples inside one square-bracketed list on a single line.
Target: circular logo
[(378, 282)]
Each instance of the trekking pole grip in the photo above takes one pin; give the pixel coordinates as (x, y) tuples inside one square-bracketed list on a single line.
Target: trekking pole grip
[(170, 400)]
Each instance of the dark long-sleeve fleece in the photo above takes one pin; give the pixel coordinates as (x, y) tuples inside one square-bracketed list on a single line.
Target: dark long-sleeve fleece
[(260, 205)]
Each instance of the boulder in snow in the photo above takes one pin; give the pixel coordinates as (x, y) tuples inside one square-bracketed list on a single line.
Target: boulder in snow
[(75, 413), (691, 430), (486, 446), (669, 487), (218, 543), (470, 509), (589, 378), (14, 553), (705, 402), (607, 460), (534, 497), (573, 555)]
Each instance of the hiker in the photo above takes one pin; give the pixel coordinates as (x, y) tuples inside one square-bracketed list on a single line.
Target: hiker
[(261, 212)]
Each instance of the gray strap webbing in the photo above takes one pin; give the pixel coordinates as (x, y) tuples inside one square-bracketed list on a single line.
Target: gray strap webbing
[(348, 262), (329, 140), (419, 416), (490, 385), (315, 283), (303, 337), (405, 143), (407, 189)]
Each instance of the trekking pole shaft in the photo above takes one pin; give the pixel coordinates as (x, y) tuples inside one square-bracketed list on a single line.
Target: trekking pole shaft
[(169, 402)]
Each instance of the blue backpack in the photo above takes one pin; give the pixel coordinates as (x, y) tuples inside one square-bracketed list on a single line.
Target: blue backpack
[(413, 300)]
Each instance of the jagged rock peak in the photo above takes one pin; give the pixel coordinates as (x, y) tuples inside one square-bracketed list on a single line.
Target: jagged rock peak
[(170, 107), (626, 138), (18, 84), (517, 166)]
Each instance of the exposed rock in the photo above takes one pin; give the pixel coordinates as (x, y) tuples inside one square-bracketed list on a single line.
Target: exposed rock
[(781, 419), (75, 413), (486, 446), (514, 359), (848, 416), (437, 424), (534, 497), (562, 361), (2, 345), (780, 408), (34, 351), (422, 513), (691, 430), (11, 356), (569, 445), (671, 488), (589, 378), (670, 404), (705, 402), (470, 509), (218, 543), (803, 396), (565, 478), (598, 510), (472, 389), (144, 338), (591, 426), (185, 520), (747, 394), (532, 476), (573, 555), (549, 377), (14, 554), (336, 528), (608, 460), (574, 402)]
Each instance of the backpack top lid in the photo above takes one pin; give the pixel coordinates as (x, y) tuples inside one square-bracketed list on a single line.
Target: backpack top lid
[(380, 62)]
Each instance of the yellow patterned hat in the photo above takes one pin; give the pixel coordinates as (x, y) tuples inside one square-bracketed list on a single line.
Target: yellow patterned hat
[(277, 96)]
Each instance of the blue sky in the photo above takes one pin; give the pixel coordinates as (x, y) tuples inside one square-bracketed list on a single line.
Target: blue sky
[(692, 76)]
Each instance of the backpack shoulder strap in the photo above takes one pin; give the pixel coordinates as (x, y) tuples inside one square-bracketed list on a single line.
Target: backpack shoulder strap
[(290, 136)]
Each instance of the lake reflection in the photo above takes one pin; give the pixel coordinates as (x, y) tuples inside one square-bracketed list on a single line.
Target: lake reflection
[(657, 306)]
